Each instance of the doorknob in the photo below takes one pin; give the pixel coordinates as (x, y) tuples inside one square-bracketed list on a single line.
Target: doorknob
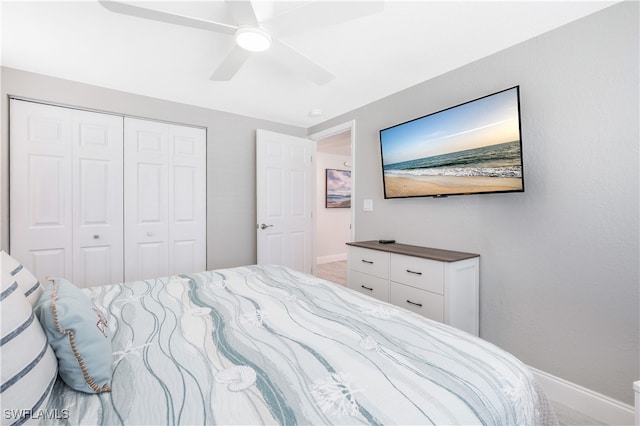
[(263, 226)]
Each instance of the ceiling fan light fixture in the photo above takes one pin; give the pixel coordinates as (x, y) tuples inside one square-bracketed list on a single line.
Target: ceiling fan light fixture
[(253, 39)]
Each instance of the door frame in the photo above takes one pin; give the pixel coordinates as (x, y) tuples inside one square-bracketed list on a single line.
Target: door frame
[(331, 131)]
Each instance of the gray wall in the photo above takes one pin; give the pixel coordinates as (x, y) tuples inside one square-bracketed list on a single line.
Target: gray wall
[(231, 205), (560, 262)]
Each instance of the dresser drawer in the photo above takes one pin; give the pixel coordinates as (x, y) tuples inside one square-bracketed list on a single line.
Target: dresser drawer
[(368, 284), (372, 262), (422, 302), (417, 272)]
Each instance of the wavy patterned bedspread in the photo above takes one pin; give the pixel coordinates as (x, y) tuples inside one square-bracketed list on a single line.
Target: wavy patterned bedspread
[(267, 345)]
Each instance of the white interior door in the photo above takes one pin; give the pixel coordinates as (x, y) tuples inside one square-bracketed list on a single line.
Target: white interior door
[(165, 199), (146, 199), (98, 200), (41, 203), (285, 194), (85, 208), (187, 200), (66, 192)]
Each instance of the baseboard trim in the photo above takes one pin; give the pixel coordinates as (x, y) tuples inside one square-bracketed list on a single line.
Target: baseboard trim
[(591, 403), (331, 258)]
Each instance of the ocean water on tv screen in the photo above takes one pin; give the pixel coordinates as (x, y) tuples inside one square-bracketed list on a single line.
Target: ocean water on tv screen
[(501, 160)]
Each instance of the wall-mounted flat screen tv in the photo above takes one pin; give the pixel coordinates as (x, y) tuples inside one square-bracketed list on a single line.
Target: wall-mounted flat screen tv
[(471, 148)]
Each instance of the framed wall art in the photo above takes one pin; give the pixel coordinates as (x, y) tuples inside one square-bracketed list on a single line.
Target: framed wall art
[(338, 193)]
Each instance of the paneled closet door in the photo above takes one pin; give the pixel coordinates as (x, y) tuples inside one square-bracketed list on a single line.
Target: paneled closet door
[(97, 191), (187, 200), (66, 192), (165, 199), (41, 202), (146, 199)]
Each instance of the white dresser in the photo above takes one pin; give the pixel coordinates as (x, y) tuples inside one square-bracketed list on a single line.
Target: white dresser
[(442, 285)]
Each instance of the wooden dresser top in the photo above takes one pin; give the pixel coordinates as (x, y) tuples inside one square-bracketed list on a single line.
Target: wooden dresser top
[(416, 251)]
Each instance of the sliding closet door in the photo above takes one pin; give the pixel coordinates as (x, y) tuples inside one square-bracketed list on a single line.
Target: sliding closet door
[(165, 199), (66, 192)]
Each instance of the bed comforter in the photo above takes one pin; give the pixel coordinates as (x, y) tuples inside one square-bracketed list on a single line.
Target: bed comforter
[(268, 345)]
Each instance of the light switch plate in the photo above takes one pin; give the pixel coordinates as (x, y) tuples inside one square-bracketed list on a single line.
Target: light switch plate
[(367, 205)]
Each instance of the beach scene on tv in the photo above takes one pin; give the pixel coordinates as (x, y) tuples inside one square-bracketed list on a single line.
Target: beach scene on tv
[(470, 148)]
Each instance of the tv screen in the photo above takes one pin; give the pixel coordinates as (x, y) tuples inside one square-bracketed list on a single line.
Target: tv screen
[(471, 148)]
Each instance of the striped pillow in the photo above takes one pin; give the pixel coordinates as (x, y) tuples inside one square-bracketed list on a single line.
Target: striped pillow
[(29, 367), (28, 284)]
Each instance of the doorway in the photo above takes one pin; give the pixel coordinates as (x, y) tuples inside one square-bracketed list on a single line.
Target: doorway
[(334, 192)]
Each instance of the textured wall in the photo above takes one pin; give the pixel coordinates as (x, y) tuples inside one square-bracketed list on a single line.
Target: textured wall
[(559, 268), (231, 187)]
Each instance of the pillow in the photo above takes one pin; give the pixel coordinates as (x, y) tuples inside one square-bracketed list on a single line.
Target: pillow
[(29, 367), (28, 284), (79, 335)]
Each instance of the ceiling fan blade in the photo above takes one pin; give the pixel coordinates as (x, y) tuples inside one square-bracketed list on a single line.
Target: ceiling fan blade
[(231, 64), (243, 12), (319, 14), (300, 63), (158, 15)]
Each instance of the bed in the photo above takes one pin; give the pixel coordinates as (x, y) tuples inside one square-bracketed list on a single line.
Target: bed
[(269, 345)]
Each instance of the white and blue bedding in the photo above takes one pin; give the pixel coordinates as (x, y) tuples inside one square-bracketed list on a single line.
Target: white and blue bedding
[(268, 345)]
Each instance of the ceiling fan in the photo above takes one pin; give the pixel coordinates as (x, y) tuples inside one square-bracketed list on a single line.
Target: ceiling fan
[(252, 35)]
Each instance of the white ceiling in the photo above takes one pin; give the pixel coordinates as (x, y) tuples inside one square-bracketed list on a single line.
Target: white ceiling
[(371, 57)]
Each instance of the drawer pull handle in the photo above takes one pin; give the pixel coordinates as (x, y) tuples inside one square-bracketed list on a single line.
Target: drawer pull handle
[(367, 261), (368, 288), (414, 303), (414, 272)]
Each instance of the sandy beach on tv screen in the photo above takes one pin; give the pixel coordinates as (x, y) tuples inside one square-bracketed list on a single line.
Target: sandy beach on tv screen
[(416, 186)]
